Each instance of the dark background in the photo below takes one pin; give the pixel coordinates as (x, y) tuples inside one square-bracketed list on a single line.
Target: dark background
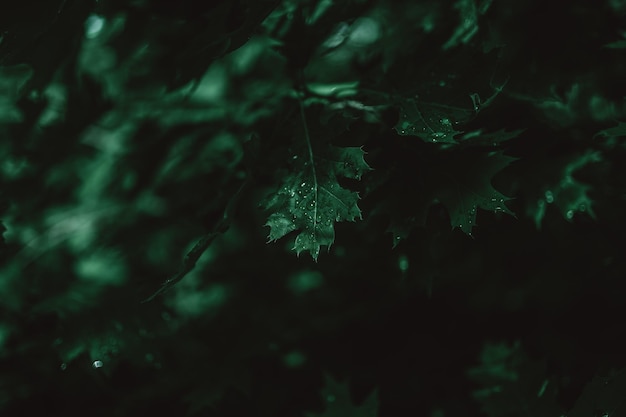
[(121, 150)]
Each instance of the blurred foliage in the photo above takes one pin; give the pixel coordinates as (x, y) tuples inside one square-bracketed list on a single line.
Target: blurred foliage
[(461, 160)]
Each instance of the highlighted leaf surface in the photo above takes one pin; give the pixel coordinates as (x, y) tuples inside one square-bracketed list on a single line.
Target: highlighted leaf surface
[(311, 200)]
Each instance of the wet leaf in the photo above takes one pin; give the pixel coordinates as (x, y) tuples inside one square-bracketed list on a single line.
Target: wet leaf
[(311, 200), (431, 122), (469, 187)]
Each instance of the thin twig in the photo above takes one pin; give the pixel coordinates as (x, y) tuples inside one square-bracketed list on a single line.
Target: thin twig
[(191, 258)]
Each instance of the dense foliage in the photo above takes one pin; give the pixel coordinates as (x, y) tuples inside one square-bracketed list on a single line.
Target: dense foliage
[(312, 208)]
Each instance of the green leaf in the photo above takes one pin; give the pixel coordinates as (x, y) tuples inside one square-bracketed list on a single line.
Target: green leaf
[(13, 79), (458, 179), (311, 200), (488, 139), (603, 396), (469, 13), (469, 187), (616, 45), (565, 191), (431, 122), (615, 131), (513, 384), (339, 403), (340, 89)]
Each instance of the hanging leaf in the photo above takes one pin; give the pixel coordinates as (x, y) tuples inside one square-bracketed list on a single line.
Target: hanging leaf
[(436, 122), (468, 188), (431, 122), (311, 200), (457, 179)]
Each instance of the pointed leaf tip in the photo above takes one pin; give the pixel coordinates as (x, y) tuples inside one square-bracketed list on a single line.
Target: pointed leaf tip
[(311, 200)]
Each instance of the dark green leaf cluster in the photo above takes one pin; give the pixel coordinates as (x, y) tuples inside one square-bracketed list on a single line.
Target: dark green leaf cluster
[(460, 160)]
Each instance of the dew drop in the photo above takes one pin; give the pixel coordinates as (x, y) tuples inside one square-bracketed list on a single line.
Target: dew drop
[(63, 366), (569, 214), (475, 101), (97, 364), (582, 207)]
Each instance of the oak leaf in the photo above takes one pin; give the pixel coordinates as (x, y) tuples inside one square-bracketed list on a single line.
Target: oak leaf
[(311, 200)]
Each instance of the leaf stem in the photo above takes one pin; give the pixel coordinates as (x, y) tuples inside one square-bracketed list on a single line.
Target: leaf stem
[(191, 258), (312, 162)]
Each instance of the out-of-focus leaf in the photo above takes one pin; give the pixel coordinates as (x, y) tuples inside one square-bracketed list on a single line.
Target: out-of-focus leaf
[(339, 403), (12, 81), (566, 192), (603, 396)]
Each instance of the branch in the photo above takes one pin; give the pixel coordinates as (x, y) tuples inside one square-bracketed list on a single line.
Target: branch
[(191, 258)]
